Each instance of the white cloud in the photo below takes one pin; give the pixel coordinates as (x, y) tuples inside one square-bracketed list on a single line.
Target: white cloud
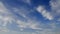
[(5, 15), (44, 12), (55, 7), (4, 20), (2, 7), (21, 24), (3, 29), (2, 10), (7, 20), (29, 24)]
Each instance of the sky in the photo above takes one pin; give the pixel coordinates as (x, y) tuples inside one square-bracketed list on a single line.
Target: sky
[(30, 16)]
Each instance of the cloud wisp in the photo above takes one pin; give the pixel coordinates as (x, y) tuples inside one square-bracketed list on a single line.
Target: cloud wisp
[(44, 12)]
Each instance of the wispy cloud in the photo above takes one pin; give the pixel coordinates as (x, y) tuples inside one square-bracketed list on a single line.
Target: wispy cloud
[(2, 8), (29, 24), (44, 12), (3, 13)]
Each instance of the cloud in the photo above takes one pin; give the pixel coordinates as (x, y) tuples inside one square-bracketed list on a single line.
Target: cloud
[(2, 11), (44, 12), (29, 24), (5, 15), (48, 30), (2, 7), (55, 8), (4, 30)]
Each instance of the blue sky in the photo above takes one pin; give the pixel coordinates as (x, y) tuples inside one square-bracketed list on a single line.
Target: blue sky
[(29, 16)]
